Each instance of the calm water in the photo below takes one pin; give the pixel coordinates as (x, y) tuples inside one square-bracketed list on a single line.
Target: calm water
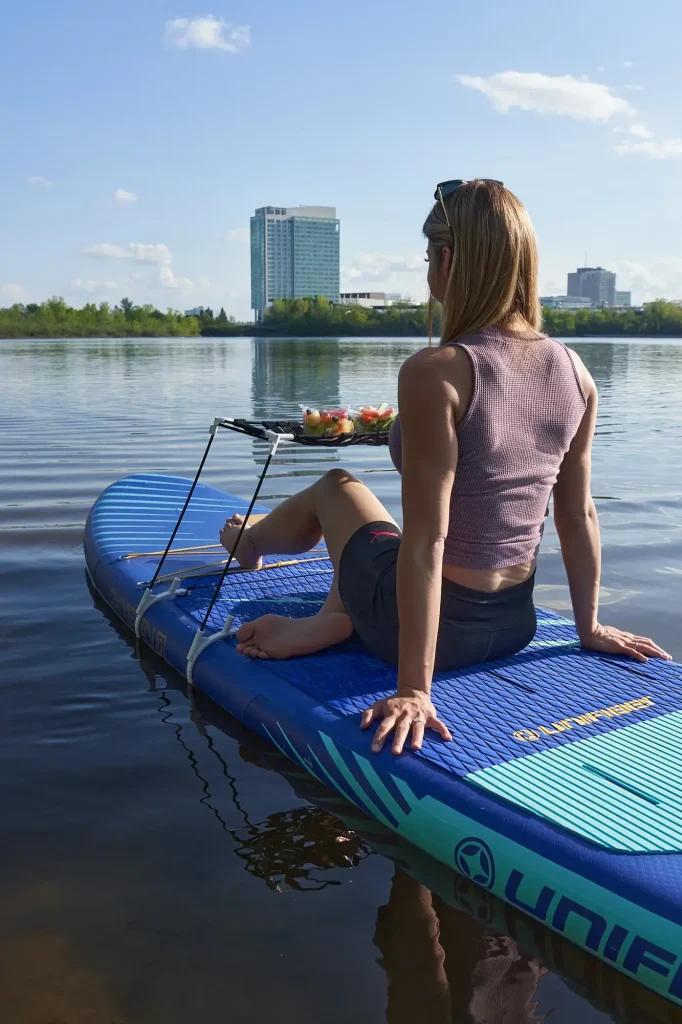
[(159, 865)]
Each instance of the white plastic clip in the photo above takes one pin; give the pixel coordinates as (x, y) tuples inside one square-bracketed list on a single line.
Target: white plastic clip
[(148, 599), (276, 439), (201, 642)]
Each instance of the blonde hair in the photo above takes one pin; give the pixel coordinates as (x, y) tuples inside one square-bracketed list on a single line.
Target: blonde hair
[(494, 274)]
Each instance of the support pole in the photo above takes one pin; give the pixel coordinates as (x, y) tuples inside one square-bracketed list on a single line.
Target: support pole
[(200, 641), (212, 430)]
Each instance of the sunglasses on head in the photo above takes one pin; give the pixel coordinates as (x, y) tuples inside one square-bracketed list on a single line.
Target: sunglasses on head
[(446, 188)]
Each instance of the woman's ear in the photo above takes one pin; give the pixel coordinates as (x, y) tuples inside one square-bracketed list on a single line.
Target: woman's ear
[(446, 261)]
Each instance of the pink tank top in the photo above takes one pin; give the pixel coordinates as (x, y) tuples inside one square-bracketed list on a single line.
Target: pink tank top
[(526, 406)]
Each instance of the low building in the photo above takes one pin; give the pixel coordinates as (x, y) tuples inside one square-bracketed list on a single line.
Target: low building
[(573, 302), (623, 299), (196, 311), (374, 300)]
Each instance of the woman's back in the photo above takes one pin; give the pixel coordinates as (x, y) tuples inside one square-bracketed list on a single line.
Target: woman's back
[(526, 405)]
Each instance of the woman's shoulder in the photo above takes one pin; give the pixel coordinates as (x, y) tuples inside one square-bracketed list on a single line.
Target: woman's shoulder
[(430, 361), (440, 371)]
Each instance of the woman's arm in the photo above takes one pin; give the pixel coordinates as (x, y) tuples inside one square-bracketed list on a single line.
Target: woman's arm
[(576, 521), (577, 525), (429, 443)]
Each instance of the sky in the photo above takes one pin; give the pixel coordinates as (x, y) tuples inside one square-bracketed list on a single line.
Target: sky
[(137, 139)]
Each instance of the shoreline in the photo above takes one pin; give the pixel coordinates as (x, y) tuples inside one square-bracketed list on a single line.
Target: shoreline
[(273, 336), (310, 318)]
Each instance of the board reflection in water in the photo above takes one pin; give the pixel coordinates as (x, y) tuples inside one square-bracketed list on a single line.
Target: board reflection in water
[(451, 951)]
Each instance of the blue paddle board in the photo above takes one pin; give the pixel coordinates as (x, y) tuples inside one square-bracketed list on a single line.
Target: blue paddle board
[(561, 792)]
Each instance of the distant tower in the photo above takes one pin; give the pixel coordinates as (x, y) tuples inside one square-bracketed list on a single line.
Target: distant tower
[(594, 283), (294, 254)]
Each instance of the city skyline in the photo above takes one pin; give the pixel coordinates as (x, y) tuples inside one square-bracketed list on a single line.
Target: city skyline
[(135, 172)]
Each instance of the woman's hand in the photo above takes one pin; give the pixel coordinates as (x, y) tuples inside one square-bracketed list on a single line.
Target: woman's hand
[(408, 710), (609, 640)]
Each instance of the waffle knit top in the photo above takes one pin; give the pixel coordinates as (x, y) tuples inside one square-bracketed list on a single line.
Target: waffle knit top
[(526, 405)]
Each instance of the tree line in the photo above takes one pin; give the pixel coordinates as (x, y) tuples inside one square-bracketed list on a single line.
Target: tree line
[(315, 317), (656, 319), (55, 319), (320, 317)]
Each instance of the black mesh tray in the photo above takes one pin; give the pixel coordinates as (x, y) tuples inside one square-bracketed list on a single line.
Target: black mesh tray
[(258, 428)]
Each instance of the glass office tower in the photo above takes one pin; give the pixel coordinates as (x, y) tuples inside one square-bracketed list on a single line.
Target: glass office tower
[(294, 254)]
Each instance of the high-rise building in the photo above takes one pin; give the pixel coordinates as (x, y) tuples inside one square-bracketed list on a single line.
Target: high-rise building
[(593, 283), (294, 254)]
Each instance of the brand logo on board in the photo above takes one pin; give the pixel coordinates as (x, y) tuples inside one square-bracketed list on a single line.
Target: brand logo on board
[(589, 718), (474, 860)]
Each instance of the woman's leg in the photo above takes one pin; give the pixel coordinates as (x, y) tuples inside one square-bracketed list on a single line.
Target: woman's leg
[(335, 506)]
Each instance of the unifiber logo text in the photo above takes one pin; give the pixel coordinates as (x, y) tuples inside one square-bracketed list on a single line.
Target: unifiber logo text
[(564, 915)]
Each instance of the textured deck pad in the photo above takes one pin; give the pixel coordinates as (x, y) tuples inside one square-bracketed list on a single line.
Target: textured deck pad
[(591, 743)]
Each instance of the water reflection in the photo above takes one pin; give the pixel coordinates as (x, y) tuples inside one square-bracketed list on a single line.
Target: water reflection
[(452, 952), (289, 371), (154, 875)]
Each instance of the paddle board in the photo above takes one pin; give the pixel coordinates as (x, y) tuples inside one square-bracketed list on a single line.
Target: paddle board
[(561, 791)]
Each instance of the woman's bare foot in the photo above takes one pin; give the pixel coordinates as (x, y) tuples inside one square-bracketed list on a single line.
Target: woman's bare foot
[(247, 553), (276, 636)]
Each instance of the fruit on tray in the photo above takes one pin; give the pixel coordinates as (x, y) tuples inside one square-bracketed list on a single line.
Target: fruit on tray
[(373, 421), (328, 422)]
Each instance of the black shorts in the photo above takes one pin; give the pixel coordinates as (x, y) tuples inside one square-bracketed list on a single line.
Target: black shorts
[(475, 626)]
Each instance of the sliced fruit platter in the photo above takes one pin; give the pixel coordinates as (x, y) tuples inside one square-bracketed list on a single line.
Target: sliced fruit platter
[(332, 422), (370, 420), (328, 422)]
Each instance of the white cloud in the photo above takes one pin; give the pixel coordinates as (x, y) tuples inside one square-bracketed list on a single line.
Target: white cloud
[(140, 252), (152, 252), (167, 279), (627, 63), (123, 197), (655, 149), (563, 95), (238, 235), (641, 131), (374, 266), (104, 250), (600, 67), (207, 33), (15, 292), (37, 179), (91, 286), (155, 254), (661, 279)]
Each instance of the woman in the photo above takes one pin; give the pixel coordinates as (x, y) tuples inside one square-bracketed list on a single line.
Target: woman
[(491, 422)]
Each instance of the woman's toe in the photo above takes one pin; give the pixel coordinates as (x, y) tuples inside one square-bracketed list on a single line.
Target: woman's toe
[(245, 632)]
